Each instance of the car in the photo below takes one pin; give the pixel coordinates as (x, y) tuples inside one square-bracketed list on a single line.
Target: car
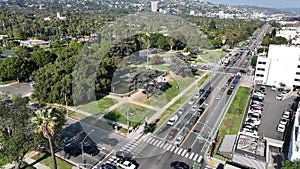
[(73, 149), (108, 166), (91, 149), (283, 121), (178, 140), (273, 88), (32, 84), (207, 93), (232, 86), (257, 105), (253, 121), (222, 89), (251, 126), (249, 132), (201, 91), (200, 111), (172, 134), (173, 120), (279, 97), (109, 141), (126, 164), (201, 101), (34, 106), (286, 114), (255, 115), (8, 102), (229, 92), (191, 101), (124, 155), (259, 95), (256, 98), (197, 95), (256, 108), (218, 97), (181, 110), (194, 108), (280, 128), (260, 92), (255, 111), (179, 165)]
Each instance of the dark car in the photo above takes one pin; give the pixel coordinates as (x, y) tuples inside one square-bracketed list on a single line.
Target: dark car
[(8, 102), (124, 155), (200, 110), (201, 101), (207, 93), (73, 149), (108, 166), (201, 91), (229, 92), (110, 141), (91, 149), (179, 165)]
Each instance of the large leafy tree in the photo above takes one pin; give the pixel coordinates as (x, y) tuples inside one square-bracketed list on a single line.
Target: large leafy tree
[(16, 134), (48, 122)]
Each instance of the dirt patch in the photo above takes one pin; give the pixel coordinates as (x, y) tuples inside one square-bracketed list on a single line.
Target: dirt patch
[(32, 154)]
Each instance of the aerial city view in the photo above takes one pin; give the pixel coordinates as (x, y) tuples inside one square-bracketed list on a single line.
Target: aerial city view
[(164, 84)]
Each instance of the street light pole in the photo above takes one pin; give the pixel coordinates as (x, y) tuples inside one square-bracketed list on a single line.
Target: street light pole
[(82, 154)]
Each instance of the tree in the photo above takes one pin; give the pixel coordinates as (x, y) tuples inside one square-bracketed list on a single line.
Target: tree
[(48, 122), (290, 165), (161, 42), (16, 135), (42, 58)]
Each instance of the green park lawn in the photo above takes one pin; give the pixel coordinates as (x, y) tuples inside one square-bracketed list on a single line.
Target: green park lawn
[(213, 55), (137, 116), (45, 159), (98, 106)]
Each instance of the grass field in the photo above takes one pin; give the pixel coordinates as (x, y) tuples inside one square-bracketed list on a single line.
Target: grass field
[(47, 161), (8, 82), (136, 115), (98, 106), (213, 55), (76, 115)]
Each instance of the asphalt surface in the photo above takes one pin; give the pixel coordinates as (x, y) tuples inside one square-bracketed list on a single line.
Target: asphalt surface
[(19, 88)]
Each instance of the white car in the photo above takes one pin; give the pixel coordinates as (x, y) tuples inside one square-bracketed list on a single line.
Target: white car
[(194, 108), (173, 120), (178, 140), (191, 101), (218, 97), (249, 132), (197, 95), (253, 121), (126, 165), (283, 121), (181, 110), (259, 95), (273, 88), (286, 114), (279, 97), (280, 128)]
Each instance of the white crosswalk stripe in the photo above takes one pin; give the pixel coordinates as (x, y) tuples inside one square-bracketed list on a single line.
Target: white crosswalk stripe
[(187, 155), (195, 157), (173, 148), (166, 145), (184, 151), (159, 143), (149, 139), (155, 142), (199, 159), (180, 150), (162, 145), (168, 148), (191, 156), (152, 141), (176, 150)]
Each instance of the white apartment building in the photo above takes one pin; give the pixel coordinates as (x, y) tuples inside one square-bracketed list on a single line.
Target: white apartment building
[(281, 65), (154, 6), (294, 147)]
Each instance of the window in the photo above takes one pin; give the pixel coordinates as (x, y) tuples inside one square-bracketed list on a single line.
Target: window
[(297, 73), (262, 69), (297, 80), (261, 62), (259, 75), (298, 66)]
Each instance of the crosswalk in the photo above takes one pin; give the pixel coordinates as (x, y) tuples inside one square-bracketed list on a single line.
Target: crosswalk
[(174, 149), (131, 147)]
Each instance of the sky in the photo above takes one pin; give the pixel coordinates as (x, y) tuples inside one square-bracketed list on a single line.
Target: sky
[(262, 3)]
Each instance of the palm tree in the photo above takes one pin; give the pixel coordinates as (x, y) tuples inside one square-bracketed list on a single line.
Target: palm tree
[(46, 121)]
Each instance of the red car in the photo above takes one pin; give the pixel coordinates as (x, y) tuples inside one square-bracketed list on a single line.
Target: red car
[(256, 108), (172, 134)]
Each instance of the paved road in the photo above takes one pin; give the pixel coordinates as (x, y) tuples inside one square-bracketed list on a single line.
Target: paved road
[(19, 88)]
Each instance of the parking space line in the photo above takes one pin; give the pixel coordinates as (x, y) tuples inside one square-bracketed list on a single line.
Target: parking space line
[(195, 157), (191, 156)]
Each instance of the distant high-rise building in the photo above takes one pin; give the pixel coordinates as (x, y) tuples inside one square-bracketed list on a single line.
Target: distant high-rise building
[(154, 5)]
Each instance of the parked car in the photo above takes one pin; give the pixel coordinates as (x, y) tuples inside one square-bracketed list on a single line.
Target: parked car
[(286, 114), (279, 97), (280, 128), (249, 132), (191, 101), (172, 134), (181, 110), (126, 164), (8, 102), (257, 105), (179, 165), (257, 98), (173, 120), (256, 108), (201, 101), (124, 155), (273, 88), (91, 149), (178, 140), (251, 126), (253, 121), (283, 121), (259, 95), (200, 111)]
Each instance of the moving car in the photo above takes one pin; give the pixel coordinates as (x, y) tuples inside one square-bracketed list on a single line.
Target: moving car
[(181, 110), (218, 97), (126, 164), (178, 140), (194, 108), (229, 92), (191, 101), (172, 134), (279, 97), (179, 165), (173, 120)]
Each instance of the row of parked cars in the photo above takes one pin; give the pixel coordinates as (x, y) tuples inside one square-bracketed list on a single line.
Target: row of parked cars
[(283, 121), (124, 161), (254, 115)]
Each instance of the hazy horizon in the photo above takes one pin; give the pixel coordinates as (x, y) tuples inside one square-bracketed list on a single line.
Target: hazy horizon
[(264, 3)]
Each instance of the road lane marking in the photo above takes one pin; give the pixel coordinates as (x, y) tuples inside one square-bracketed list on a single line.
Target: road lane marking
[(195, 157), (191, 156), (180, 150)]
